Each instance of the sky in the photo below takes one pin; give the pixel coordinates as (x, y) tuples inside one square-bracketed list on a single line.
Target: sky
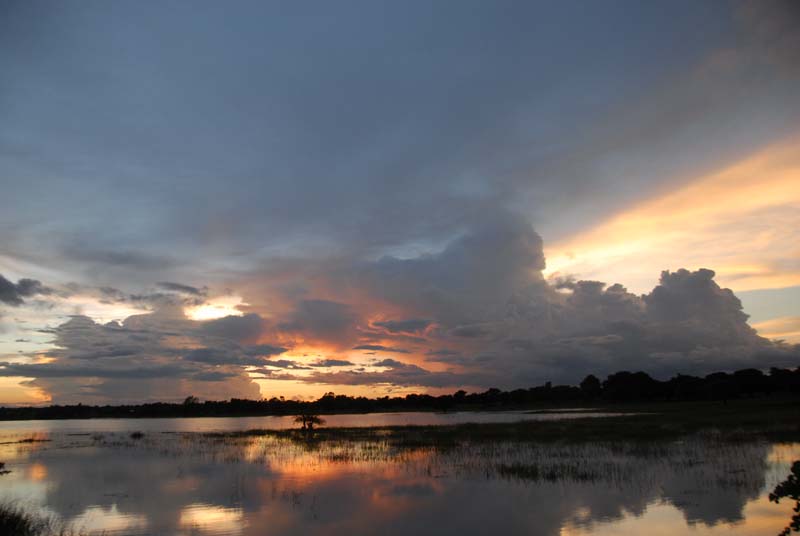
[(257, 199)]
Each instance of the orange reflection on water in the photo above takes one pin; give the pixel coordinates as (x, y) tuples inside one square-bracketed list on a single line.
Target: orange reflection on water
[(37, 472), (206, 517)]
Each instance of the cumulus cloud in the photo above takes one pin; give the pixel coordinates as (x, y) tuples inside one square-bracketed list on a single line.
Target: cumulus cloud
[(480, 307), (496, 321), (160, 355)]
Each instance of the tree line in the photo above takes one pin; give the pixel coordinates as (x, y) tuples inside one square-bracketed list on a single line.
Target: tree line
[(620, 387)]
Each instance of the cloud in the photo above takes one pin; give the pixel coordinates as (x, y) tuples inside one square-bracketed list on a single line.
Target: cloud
[(244, 329), (332, 363), (411, 325), (13, 294), (162, 355), (182, 289), (410, 229), (470, 278), (400, 375), (265, 350), (523, 330), (322, 320), (380, 348), (785, 328), (285, 364)]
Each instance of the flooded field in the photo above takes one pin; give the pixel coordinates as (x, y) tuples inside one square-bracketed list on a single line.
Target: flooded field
[(224, 481)]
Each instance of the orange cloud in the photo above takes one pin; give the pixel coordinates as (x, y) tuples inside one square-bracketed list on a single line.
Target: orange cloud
[(786, 328), (742, 221)]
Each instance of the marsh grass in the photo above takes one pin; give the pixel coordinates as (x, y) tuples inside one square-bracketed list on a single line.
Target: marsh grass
[(15, 521)]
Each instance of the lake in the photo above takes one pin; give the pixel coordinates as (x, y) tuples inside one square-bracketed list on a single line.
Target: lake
[(180, 479)]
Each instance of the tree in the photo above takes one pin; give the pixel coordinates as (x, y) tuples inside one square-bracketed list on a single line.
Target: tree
[(590, 386), (308, 421), (189, 400), (789, 488)]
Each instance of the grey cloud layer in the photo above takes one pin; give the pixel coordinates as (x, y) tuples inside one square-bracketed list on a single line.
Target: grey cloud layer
[(282, 131), (354, 172)]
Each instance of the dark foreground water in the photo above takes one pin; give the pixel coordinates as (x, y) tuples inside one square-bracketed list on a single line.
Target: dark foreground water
[(178, 480)]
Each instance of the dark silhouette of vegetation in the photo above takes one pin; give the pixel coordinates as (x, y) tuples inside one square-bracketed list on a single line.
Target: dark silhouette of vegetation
[(789, 488), (15, 521), (617, 390), (308, 421)]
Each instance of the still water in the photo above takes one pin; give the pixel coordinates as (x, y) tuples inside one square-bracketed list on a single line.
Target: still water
[(179, 480)]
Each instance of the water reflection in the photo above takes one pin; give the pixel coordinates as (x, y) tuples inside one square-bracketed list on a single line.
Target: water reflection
[(203, 484), (218, 424)]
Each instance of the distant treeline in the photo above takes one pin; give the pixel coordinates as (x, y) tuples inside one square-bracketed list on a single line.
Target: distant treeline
[(620, 387)]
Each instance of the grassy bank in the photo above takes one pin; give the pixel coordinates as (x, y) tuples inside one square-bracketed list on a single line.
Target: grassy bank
[(770, 419)]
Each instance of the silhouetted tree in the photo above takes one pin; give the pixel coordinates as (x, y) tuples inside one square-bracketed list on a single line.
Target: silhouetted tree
[(590, 387), (789, 488), (308, 421)]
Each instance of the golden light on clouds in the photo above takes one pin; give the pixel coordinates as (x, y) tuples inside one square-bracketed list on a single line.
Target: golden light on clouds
[(217, 308), (743, 222), (14, 391), (785, 328)]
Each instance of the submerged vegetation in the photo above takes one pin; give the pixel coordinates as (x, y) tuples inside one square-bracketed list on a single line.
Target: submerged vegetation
[(620, 388)]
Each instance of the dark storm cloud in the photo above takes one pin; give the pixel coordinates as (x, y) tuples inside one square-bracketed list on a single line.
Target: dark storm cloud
[(13, 293)]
